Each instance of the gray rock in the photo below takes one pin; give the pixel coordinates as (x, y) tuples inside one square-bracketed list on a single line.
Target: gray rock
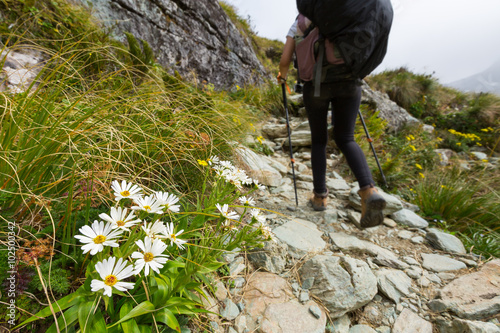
[(410, 261), (229, 310), (292, 317), (409, 322), (237, 266), (439, 263), (273, 131), (336, 185), (414, 272), (331, 216), (444, 241), (187, 37), (231, 330), (475, 326), (343, 284), (341, 324), (389, 223), (479, 156), (444, 155), (315, 310), (301, 236), (272, 257), (383, 329), (409, 218), (258, 167), (351, 243), (308, 283), (393, 203), (393, 283), (417, 240), (304, 296), (240, 323), (472, 296), (405, 234), (396, 116), (220, 292), (361, 329), (301, 138)]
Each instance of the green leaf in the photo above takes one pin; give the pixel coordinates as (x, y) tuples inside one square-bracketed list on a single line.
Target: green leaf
[(139, 310), (129, 326), (60, 305), (160, 296), (211, 267), (84, 315), (145, 328), (167, 317), (66, 320)]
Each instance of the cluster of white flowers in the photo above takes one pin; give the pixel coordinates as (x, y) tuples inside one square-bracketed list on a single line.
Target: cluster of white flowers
[(151, 249), (233, 175), (254, 212)]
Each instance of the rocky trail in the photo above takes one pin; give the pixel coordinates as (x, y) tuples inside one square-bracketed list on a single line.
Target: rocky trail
[(324, 274)]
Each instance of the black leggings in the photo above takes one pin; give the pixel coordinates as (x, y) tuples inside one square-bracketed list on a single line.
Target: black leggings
[(345, 97)]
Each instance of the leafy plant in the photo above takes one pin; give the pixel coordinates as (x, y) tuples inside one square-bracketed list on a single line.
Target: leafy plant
[(168, 271)]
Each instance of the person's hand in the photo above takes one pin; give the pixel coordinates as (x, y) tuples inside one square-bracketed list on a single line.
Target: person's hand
[(281, 80)]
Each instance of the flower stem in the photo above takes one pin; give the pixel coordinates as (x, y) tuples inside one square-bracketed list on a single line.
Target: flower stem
[(46, 293)]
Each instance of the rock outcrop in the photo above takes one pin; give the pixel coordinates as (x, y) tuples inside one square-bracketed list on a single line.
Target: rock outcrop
[(193, 37)]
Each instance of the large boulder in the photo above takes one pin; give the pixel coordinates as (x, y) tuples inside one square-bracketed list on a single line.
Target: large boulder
[(188, 36), (343, 284), (472, 296)]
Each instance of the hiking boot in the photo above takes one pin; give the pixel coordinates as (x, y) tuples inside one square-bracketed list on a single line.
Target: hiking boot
[(372, 204), (318, 201)]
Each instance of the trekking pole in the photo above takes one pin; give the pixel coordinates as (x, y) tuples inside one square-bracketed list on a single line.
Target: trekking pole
[(370, 140), (290, 142)]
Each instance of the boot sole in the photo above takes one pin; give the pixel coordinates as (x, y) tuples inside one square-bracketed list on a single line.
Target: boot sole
[(373, 216)]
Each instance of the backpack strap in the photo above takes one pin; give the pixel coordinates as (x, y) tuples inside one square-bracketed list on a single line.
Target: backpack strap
[(318, 68)]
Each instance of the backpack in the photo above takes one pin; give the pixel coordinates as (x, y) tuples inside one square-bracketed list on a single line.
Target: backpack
[(306, 49), (358, 28)]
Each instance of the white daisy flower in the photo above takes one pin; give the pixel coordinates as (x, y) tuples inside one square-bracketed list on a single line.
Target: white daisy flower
[(154, 229), (98, 236), (247, 201), (119, 218), (148, 204), (226, 165), (152, 256), (266, 231), (256, 214), (170, 233), (125, 190), (112, 276), (259, 186), (168, 200), (213, 160), (224, 212)]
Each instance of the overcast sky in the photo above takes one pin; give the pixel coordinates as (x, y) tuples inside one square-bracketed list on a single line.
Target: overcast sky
[(451, 38)]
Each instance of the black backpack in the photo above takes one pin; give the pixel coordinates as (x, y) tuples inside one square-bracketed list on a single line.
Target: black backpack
[(358, 28)]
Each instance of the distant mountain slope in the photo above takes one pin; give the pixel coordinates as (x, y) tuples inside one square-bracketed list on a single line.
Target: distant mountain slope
[(486, 81)]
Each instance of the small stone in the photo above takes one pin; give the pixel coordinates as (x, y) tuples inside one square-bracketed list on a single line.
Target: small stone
[(231, 330), (439, 263), (468, 262), (291, 208), (389, 223), (410, 261), (240, 323), (315, 311), (304, 296), (417, 240), (405, 234), (308, 283), (399, 307), (229, 310), (410, 322), (295, 287), (444, 241), (383, 329), (220, 292)]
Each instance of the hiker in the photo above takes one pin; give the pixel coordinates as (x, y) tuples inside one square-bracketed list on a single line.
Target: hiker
[(340, 87)]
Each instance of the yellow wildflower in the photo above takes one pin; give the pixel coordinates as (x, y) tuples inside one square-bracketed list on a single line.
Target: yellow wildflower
[(485, 161), (413, 148), (459, 143), (418, 166), (202, 162), (421, 175)]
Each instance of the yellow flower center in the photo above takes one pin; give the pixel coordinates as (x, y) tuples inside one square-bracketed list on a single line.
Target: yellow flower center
[(110, 280), (148, 257), (125, 193), (147, 208), (120, 223), (100, 239), (172, 236)]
